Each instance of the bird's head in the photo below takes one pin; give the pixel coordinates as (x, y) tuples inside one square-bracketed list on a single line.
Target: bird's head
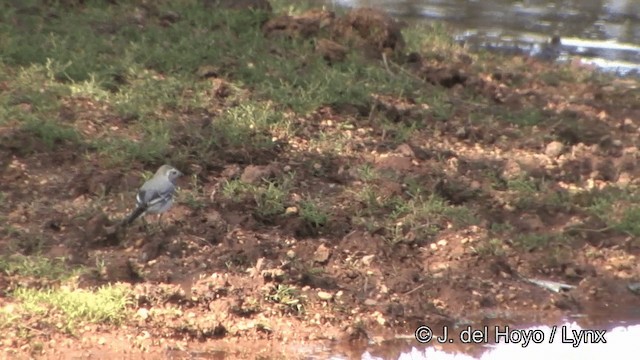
[(170, 172)]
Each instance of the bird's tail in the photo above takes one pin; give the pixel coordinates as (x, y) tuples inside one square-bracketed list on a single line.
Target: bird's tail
[(139, 210)]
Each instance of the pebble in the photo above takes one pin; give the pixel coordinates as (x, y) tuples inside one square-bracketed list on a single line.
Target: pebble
[(367, 259), (554, 149), (323, 295), (143, 313), (370, 302)]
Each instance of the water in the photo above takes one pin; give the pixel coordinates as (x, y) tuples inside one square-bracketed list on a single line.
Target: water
[(604, 33), (568, 341)]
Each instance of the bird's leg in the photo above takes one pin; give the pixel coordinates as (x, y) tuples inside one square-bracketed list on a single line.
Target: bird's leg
[(160, 221), (145, 224)]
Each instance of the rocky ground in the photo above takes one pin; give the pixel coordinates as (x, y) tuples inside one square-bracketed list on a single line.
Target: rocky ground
[(345, 221)]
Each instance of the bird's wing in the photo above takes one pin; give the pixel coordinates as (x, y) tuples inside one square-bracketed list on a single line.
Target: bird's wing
[(150, 198), (153, 193)]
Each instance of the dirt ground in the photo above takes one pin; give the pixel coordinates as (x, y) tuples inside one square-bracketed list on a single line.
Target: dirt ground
[(205, 283)]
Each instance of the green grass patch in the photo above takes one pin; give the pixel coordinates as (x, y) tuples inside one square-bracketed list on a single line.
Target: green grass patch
[(270, 200), (313, 213), (287, 297), (531, 242), (525, 191), (32, 103), (152, 147), (35, 266), (414, 216), (49, 132), (107, 304), (524, 117), (234, 190), (432, 40), (249, 124), (630, 221), (565, 74), (614, 206), (490, 247), (63, 306)]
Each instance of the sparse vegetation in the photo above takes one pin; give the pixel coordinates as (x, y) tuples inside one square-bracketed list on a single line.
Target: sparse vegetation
[(108, 305), (34, 266), (287, 297), (55, 301), (313, 213), (270, 200)]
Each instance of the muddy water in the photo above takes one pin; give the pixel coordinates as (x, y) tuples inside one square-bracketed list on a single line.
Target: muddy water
[(565, 341), (604, 33)]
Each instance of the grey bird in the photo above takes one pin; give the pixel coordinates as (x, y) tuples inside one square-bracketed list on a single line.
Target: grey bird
[(156, 194)]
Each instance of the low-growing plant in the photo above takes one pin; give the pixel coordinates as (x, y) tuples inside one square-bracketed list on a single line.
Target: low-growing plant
[(530, 242), (108, 304), (288, 297), (35, 266), (270, 200), (313, 213), (489, 247)]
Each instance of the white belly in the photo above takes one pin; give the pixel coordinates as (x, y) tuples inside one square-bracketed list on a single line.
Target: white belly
[(160, 207)]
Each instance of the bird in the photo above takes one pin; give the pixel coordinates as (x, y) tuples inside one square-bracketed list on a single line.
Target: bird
[(156, 194)]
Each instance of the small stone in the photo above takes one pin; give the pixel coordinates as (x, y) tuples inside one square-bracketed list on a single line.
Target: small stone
[(213, 218), (231, 171), (461, 133), (207, 71), (253, 174), (438, 267), (323, 295), (512, 169), (380, 319), (367, 259), (170, 16), (291, 254), (370, 302), (95, 227), (531, 222), (405, 150), (331, 51), (554, 149), (143, 313), (570, 272), (322, 253)]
